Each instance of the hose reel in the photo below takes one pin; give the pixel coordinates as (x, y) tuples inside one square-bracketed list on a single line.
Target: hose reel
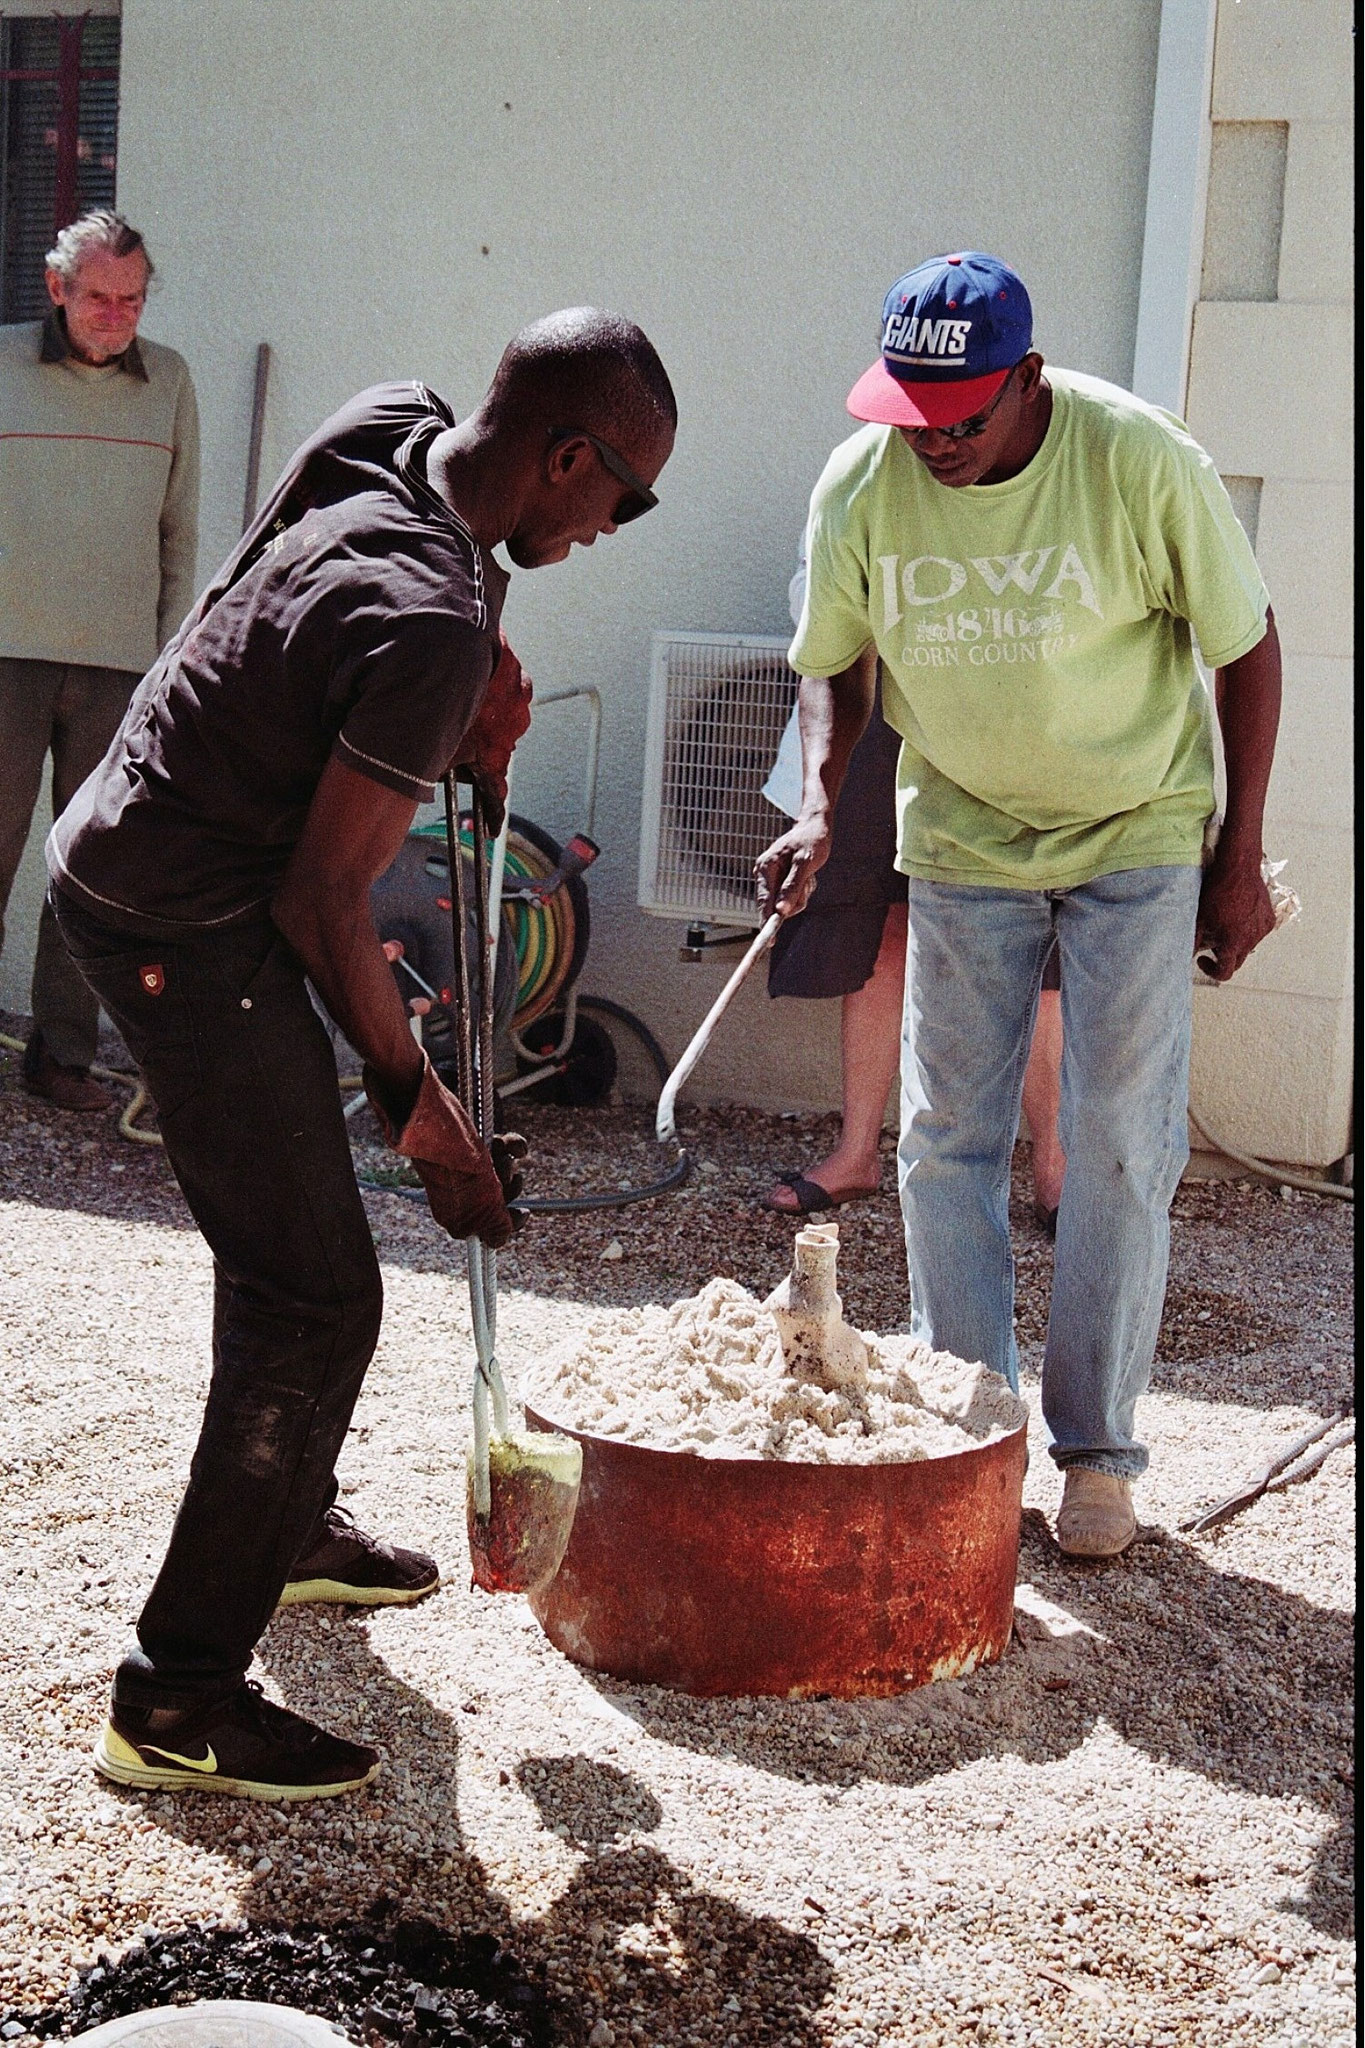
[(545, 929)]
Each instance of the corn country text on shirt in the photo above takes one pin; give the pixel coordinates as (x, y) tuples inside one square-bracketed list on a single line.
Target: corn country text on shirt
[(357, 618), (1036, 639)]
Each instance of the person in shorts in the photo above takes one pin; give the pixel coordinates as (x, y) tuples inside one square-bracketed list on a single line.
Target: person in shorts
[(849, 942)]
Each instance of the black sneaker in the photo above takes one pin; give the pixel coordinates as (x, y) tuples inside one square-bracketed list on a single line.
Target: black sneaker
[(244, 1744), (350, 1567)]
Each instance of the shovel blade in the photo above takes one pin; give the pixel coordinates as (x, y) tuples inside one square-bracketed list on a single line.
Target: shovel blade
[(520, 1544)]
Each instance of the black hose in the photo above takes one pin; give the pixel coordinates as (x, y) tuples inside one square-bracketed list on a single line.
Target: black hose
[(607, 1008), (617, 1198), (604, 1198)]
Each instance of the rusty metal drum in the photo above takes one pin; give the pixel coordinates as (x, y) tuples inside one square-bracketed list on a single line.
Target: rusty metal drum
[(752, 1575)]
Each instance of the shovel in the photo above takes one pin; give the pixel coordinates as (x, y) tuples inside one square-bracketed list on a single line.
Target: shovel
[(522, 1486)]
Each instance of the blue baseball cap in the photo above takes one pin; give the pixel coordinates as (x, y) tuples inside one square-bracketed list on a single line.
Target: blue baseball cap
[(952, 330)]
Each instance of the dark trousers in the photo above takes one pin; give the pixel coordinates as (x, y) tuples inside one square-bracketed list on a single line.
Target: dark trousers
[(245, 1084), (72, 712)]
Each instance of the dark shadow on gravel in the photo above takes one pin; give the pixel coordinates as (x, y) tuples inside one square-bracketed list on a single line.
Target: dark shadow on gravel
[(596, 1804), (1208, 1671), (658, 1932), (685, 1951)]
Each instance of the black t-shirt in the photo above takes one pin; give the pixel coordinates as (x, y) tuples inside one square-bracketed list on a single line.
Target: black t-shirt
[(358, 617)]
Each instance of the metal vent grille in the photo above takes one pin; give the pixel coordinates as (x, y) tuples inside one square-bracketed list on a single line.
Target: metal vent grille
[(717, 706)]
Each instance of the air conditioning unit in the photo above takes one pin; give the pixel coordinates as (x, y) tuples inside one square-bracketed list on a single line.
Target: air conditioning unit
[(717, 705)]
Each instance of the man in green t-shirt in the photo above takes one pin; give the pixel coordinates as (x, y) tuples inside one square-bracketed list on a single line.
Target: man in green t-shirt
[(1033, 555)]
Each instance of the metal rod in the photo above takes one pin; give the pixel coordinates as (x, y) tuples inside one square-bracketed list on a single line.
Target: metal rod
[(474, 1079), (1252, 1489), (594, 748), (1309, 1463), (496, 877), (483, 927), (424, 985), (485, 1260), (665, 1129), (459, 983), (483, 1476), (253, 452)]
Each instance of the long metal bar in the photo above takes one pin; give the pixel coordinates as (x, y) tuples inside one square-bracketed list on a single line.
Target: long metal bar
[(665, 1128), (1308, 1465), (466, 1089), (474, 1073), (485, 1260), (495, 879), (1251, 1489), (483, 927), (464, 1067), (253, 452)]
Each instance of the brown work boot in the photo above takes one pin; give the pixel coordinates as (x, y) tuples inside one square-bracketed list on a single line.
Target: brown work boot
[(65, 1087), (1096, 1517)]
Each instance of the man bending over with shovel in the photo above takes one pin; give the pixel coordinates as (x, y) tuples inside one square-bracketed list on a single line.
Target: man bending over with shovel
[(1032, 553), (267, 772)]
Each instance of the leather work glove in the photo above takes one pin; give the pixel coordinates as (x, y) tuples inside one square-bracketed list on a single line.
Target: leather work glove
[(507, 1149), (468, 1184), (499, 723)]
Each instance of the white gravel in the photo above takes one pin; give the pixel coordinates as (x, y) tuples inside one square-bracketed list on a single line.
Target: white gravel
[(1135, 1829)]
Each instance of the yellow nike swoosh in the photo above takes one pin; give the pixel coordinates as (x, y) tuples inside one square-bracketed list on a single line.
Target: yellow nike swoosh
[(209, 1762)]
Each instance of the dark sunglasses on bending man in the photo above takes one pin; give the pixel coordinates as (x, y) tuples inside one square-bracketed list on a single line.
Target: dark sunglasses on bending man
[(638, 499)]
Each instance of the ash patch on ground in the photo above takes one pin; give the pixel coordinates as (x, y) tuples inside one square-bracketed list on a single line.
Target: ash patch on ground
[(400, 1981)]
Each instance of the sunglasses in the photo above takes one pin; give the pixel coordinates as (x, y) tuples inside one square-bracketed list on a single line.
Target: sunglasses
[(967, 430), (638, 500)]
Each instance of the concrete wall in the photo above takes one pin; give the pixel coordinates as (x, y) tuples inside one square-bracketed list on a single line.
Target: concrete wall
[(744, 181), (1270, 396)]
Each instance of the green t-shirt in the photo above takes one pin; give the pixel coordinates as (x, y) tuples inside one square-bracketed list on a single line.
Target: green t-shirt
[(1036, 639)]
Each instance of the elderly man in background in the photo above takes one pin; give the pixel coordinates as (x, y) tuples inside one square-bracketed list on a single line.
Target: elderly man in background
[(99, 501)]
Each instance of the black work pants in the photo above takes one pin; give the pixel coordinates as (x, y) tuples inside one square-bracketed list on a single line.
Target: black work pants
[(244, 1080)]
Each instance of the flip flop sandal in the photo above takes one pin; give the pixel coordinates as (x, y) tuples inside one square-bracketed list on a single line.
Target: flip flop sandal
[(811, 1197)]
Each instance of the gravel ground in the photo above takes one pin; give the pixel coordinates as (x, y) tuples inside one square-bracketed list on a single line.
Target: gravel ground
[(1136, 1828)]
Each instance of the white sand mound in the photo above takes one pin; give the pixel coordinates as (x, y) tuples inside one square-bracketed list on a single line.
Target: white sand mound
[(708, 1376)]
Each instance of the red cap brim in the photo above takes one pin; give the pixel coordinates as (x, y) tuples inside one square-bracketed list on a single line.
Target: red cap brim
[(880, 397)]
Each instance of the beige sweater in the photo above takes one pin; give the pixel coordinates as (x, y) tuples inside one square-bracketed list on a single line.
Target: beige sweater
[(99, 503)]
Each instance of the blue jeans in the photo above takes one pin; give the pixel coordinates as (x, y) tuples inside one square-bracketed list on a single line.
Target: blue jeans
[(974, 962)]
